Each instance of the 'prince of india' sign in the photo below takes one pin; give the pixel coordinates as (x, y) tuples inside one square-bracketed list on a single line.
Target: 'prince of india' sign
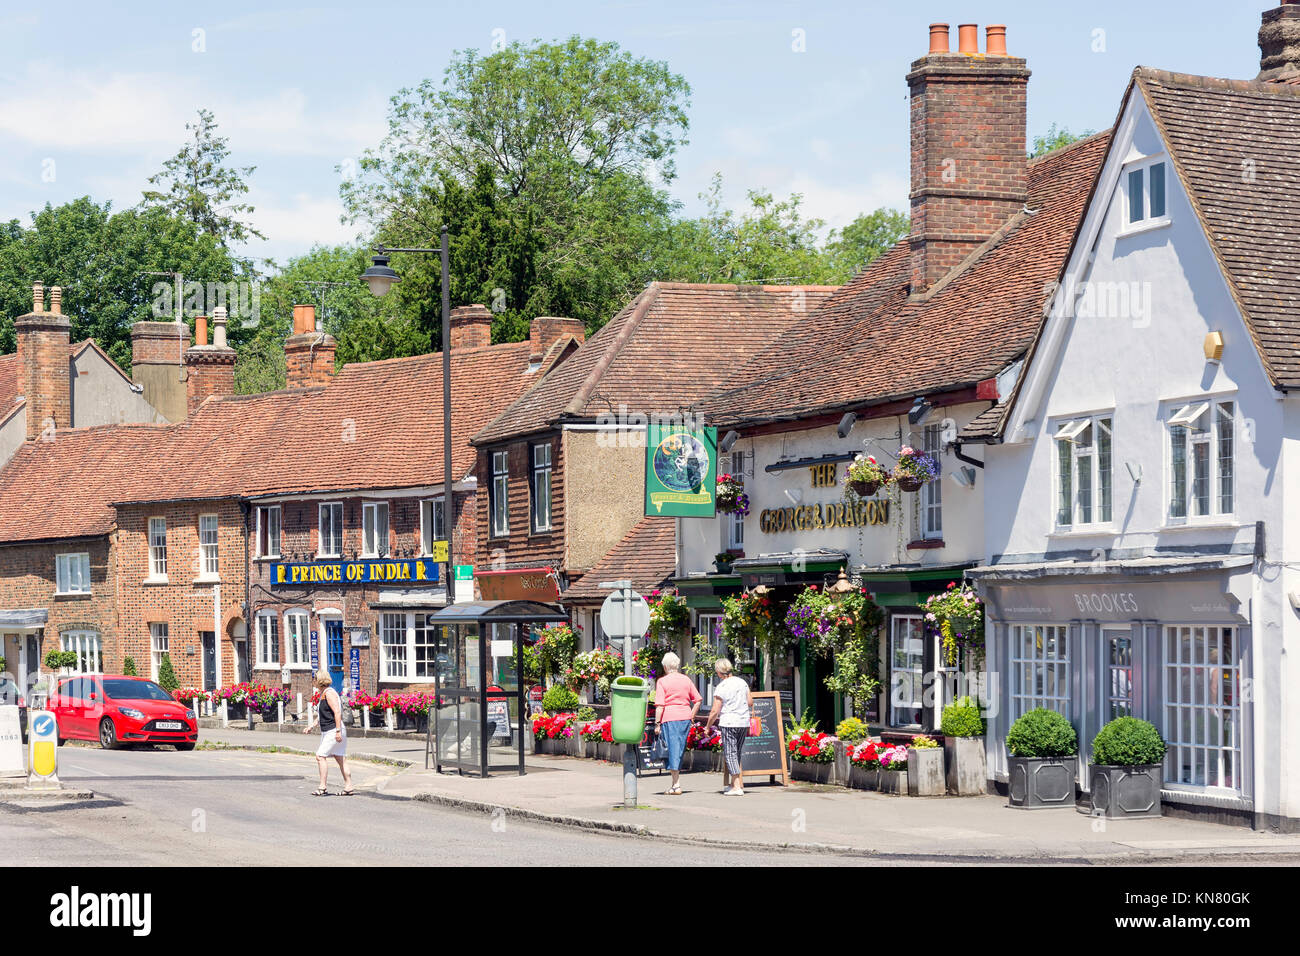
[(403, 571), (681, 471)]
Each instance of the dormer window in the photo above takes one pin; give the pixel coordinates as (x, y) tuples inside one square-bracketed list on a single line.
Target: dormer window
[(1145, 194)]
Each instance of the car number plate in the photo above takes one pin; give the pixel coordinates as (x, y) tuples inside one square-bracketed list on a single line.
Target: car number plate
[(170, 725)]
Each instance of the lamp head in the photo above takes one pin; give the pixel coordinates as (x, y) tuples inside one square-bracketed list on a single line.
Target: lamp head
[(380, 277)]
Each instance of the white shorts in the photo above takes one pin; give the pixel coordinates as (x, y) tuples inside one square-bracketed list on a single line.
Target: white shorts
[(329, 747)]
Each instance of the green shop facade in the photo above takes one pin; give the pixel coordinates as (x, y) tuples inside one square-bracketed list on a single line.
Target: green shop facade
[(804, 528)]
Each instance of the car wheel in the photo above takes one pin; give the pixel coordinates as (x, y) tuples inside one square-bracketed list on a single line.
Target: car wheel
[(107, 734), (184, 746)]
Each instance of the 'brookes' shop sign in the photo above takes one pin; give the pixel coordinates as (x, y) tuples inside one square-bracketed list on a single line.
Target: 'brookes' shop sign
[(375, 571)]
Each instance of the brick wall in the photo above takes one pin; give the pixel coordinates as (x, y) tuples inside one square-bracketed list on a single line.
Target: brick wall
[(209, 371), (185, 606), (46, 376), (969, 167), (309, 359), (28, 580), (521, 547)]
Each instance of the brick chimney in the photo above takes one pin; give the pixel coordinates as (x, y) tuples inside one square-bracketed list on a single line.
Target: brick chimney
[(471, 326), (210, 368), (969, 167), (545, 330), (43, 344), (157, 363), (1279, 44), (308, 352)]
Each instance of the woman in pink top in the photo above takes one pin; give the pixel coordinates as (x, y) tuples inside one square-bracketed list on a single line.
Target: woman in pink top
[(676, 704)]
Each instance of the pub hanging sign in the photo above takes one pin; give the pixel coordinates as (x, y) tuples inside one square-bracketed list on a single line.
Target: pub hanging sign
[(368, 571), (681, 471)]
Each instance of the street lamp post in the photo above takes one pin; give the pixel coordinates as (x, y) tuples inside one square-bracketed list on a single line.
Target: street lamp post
[(381, 277)]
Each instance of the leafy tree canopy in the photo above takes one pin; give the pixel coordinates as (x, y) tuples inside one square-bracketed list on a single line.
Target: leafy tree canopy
[(1055, 138)]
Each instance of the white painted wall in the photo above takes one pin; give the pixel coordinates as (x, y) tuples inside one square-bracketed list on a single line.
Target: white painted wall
[(1138, 365)]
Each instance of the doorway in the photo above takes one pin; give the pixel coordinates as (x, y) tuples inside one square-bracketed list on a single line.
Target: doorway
[(208, 639), (334, 651), (906, 669)]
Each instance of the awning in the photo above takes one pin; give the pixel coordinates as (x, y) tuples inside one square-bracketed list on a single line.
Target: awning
[(24, 617), (1164, 565), (499, 612)]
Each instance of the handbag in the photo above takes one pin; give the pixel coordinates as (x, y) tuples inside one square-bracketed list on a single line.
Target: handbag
[(659, 749), (755, 724)]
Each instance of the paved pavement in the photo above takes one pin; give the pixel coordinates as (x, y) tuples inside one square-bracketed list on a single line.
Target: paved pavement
[(588, 793)]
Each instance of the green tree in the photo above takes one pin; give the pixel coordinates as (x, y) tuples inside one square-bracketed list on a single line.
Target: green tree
[(167, 675), (196, 186), (101, 259), (1055, 138), (865, 239), (128, 666), (567, 133)]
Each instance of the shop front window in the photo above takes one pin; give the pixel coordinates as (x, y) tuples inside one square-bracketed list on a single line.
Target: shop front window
[(1040, 668), (1202, 707), (1119, 669), (907, 667)]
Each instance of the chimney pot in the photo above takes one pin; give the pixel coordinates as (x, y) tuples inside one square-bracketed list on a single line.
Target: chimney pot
[(201, 331), (38, 297), (304, 319), (968, 38), (939, 38), (56, 300), (219, 327), (995, 43)]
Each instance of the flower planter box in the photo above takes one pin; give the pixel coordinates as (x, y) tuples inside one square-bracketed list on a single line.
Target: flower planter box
[(862, 779), (967, 771), (842, 764), (892, 781), (925, 777), (237, 711), (1041, 783), (1126, 792), (558, 746), (702, 761), (812, 772), (404, 721)]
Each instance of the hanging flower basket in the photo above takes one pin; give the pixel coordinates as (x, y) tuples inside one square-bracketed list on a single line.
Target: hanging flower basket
[(914, 469), (865, 476), (730, 496)]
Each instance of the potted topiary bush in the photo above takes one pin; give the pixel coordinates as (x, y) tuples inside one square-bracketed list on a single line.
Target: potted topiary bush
[(963, 747), (1042, 765), (1127, 760)]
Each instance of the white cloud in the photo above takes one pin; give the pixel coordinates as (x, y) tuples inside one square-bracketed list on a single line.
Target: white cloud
[(295, 223)]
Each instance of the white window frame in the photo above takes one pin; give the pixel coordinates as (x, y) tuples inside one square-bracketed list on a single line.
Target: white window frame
[(1101, 476), (336, 530), (1147, 221), (930, 500), (268, 631), (374, 539), (1191, 725), (1032, 656), (499, 494), (537, 471), (433, 523), (401, 650), (264, 526), (159, 644), (89, 646), (1182, 508), (209, 550), (157, 552), (297, 639), (72, 573), (733, 525)]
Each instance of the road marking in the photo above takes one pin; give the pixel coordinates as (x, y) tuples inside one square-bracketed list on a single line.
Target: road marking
[(97, 773)]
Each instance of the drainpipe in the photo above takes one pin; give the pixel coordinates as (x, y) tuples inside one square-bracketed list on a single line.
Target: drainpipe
[(244, 510), (956, 451)]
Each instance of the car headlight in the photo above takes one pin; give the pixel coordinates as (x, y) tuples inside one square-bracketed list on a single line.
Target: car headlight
[(130, 712), (189, 714)]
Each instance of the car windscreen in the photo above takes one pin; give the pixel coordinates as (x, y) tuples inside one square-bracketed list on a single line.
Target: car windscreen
[(134, 690)]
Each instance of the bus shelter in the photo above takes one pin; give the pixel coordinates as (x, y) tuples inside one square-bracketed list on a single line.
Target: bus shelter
[(481, 716)]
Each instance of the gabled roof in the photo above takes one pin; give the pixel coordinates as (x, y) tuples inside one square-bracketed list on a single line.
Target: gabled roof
[(11, 375), (873, 342), (1236, 147), (62, 488), (672, 345), (646, 555), (377, 425)]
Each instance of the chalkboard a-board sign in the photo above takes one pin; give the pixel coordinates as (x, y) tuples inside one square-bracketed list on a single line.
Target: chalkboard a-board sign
[(764, 753)]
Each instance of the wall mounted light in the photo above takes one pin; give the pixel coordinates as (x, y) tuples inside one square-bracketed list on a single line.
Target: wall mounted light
[(964, 476), (1213, 347), (1134, 470), (846, 424), (728, 440), (919, 411)]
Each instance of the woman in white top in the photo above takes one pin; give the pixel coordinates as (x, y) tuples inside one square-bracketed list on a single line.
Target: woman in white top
[(733, 706)]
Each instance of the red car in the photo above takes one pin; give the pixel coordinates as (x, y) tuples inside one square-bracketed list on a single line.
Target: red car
[(115, 710)]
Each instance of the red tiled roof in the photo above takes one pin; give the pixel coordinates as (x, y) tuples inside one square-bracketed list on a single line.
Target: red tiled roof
[(872, 343), (62, 488), (376, 425), (646, 555), (671, 346)]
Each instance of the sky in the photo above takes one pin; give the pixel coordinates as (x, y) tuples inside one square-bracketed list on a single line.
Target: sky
[(800, 96)]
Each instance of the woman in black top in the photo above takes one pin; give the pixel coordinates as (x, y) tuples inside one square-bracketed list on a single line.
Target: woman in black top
[(333, 737)]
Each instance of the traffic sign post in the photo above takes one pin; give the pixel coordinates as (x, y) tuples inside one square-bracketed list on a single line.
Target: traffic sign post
[(625, 614), (43, 744)]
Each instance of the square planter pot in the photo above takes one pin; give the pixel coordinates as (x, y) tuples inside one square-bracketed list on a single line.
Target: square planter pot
[(967, 772), (862, 779), (1126, 792), (702, 761), (841, 764), (892, 781), (237, 711), (925, 776), (1040, 783), (812, 772)]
